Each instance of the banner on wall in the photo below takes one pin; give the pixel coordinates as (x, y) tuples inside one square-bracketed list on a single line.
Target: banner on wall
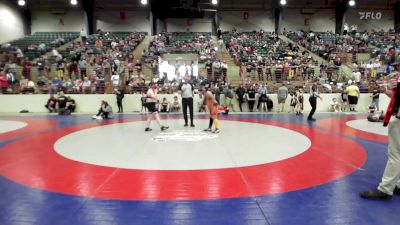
[(370, 15), (189, 22), (246, 15), (306, 21), (122, 15), (61, 22)]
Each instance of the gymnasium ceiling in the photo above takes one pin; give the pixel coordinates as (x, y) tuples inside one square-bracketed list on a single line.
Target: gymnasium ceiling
[(223, 4)]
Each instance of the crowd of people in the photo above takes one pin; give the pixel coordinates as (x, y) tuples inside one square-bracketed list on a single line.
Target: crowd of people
[(265, 56), (84, 67)]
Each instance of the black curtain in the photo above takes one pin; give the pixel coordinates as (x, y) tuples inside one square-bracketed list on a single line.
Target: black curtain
[(277, 16), (340, 10), (397, 17), (88, 6)]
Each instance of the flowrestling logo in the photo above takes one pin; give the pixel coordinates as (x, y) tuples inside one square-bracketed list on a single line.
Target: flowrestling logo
[(184, 135), (370, 15)]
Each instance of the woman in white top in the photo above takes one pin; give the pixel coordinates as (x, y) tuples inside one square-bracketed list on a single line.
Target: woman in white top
[(151, 100)]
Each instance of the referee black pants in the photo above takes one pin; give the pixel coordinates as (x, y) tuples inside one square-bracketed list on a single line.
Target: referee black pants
[(313, 103), (187, 102)]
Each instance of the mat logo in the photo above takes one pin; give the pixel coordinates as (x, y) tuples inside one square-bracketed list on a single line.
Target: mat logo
[(370, 15), (184, 135)]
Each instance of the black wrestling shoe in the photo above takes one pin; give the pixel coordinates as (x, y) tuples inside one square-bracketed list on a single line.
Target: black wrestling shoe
[(375, 195), (396, 191), (311, 119), (207, 130), (186, 125), (147, 129), (164, 128), (192, 125)]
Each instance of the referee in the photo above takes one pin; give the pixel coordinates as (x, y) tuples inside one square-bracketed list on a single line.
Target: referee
[(313, 99), (187, 93)]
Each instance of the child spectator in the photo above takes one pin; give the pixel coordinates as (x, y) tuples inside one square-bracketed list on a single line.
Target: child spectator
[(105, 111)]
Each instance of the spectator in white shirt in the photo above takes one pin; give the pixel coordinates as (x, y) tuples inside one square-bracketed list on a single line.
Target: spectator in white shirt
[(357, 76), (195, 69), (115, 80)]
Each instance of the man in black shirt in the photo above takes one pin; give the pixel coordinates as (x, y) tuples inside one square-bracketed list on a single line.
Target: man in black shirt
[(71, 104), (120, 95), (240, 92), (62, 104)]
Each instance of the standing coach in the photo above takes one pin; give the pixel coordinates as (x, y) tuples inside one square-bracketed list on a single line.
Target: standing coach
[(187, 93)]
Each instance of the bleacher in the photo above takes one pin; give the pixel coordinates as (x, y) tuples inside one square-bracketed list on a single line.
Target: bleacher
[(47, 38), (108, 38), (184, 42)]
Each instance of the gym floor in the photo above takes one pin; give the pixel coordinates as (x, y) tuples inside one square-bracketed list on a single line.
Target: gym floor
[(272, 169)]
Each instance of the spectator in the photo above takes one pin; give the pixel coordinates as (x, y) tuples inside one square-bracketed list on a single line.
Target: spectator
[(261, 90), (120, 96), (270, 104), (164, 106), (353, 94), (60, 69), (3, 81), (40, 67), (282, 96), (86, 85), (71, 105), (251, 97), (176, 106), (293, 101), (138, 67), (62, 104), (375, 115), (23, 83), (105, 111), (130, 69), (300, 102), (143, 102), (240, 96), (51, 104), (115, 80), (228, 93), (357, 77), (263, 102), (335, 106), (83, 36), (344, 98), (83, 67), (78, 85), (47, 68), (26, 68), (375, 97)]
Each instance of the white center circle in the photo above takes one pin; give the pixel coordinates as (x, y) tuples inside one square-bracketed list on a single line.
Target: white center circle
[(126, 145), (370, 127), (11, 125)]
